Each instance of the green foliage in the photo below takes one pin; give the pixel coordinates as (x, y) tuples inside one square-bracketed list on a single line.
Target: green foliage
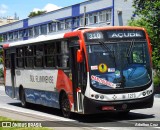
[(1, 73), (148, 12), (33, 14), (1, 39), (156, 81), (1, 55)]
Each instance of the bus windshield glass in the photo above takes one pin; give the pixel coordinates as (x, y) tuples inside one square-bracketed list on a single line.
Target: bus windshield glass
[(119, 62)]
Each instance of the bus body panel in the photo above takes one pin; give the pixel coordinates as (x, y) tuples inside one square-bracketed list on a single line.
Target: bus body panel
[(8, 83), (39, 86), (64, 83)]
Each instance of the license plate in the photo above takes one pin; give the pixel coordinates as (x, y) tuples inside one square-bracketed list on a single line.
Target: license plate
[(131, 95)]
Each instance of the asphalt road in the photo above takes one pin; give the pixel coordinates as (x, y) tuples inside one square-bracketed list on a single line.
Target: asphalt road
[(53, 118)]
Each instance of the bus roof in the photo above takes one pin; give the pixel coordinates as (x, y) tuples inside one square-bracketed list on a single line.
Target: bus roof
[(43, 38)]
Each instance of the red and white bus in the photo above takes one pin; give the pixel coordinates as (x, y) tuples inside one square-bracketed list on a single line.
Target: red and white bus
[(87, 71)]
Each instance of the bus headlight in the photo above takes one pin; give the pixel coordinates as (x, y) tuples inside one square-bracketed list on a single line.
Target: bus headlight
[(96, 96), (101, 97), (144, 93)]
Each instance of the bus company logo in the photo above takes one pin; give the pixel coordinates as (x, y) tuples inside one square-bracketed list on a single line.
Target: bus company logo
[(126, 35)]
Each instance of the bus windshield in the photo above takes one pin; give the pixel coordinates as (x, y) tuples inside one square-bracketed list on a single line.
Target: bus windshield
[(119, 64)]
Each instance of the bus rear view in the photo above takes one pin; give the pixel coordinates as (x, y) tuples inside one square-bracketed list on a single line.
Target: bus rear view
[(120, 70)]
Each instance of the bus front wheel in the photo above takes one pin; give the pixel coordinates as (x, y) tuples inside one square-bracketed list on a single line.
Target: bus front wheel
[(65, 106)]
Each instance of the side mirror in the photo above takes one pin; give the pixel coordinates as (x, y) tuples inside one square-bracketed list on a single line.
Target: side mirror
[(79, 56)]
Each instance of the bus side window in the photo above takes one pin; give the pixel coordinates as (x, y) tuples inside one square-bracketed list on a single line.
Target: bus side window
[(62, 54), (7, 58), (29, 56), (50, 51), (39, 56), (20, 57)]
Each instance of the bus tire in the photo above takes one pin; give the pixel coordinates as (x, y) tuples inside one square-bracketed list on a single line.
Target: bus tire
[(65, 106), (23, 98)]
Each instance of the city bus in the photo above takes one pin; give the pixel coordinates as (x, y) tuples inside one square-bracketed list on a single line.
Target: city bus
[(86, 71)]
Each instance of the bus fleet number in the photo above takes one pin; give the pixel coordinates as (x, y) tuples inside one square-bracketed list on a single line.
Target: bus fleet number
[(131, 95)]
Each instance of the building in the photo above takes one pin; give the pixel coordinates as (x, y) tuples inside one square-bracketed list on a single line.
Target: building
[(8, 20), (97, 13)]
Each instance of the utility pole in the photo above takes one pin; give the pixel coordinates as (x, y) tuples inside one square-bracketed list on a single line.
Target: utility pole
[(84, 16)]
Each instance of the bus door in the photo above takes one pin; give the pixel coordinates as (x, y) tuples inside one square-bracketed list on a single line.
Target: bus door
[(12, 54), (78, 78)]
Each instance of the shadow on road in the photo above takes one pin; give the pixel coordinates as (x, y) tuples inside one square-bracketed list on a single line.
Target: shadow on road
[(95, 118)]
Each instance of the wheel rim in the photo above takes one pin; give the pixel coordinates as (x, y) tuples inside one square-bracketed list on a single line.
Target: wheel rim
[(65, 106)]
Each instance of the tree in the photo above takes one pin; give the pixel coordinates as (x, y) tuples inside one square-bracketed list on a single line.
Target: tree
[(149, 13), (33, 14)]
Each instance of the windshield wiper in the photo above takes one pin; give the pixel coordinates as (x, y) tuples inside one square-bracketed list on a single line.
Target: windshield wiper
[(107, 48), (130, 49), (112, 52)]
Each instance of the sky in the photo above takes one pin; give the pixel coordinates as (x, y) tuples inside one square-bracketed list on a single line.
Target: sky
[(22, 8)]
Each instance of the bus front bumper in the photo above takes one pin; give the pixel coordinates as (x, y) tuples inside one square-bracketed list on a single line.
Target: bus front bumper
[(93, 106)]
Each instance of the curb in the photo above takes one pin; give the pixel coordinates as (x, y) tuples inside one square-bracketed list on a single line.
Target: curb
[(157, 95)]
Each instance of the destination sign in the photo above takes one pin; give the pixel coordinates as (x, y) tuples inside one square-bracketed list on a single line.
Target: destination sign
[(114, 34), (125, 34)]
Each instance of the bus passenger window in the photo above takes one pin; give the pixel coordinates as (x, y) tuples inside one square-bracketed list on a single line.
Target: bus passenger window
[(39, 56), (50, 55), (29, 56), (20, 57), (62, 54)]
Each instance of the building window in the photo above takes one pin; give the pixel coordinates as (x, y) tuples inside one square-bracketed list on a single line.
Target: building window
[(30, 32), (16, 35), (20, 57), (36, 31), (25, 33), (11, 36), (76, 22), (52, 27), (68, 23), (4, 37), (61, 25), (43, 29), (95, 17), (105, 16), (29, 56), (91, 18), (39, 56), (20, 33), (86, 20), (108, 15)]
